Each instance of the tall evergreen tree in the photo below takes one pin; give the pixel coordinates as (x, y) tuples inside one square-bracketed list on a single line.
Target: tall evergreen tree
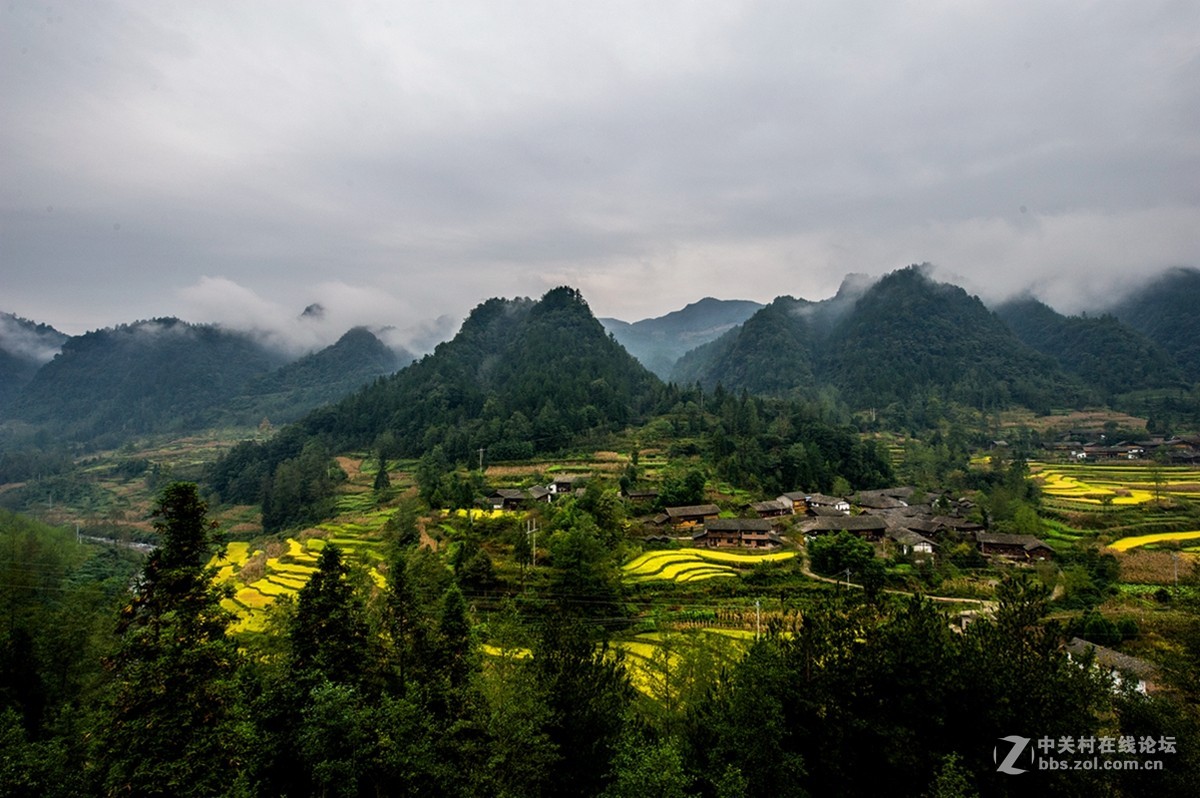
[(171, 724)]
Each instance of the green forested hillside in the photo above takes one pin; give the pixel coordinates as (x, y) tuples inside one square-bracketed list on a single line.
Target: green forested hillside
[(770, 353), (24, 347), (1165, 310), (158, 375), (908, 336), (1101, 351), (520, 377), (168, 376), (904, 337), (324, 376)]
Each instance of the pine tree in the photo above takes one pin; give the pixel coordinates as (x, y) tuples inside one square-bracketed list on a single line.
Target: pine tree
[(170, 725)]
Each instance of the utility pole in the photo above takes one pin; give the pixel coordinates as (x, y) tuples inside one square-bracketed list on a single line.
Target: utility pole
[(757, 618), (481, 451), (531, 533)]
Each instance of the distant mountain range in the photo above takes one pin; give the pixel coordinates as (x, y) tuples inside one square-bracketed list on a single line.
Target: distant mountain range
[(166, 375), (903, 338), (659, 343)]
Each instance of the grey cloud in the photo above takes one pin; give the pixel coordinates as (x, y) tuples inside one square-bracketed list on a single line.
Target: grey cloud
[(651, 155)]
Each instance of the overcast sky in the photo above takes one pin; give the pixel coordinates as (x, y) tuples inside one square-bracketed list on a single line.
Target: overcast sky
[(400, 161)]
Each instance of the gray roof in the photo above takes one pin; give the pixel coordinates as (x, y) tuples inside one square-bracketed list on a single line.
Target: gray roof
[(907, 537), (693, 510), (1027, 542), (1111, 658), (853, 523)]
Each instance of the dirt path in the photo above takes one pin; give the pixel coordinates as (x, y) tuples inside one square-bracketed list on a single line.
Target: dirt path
[(989, 606)]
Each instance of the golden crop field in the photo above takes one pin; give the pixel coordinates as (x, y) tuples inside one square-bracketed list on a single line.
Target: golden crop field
[(689, 565), (1124, 544), (1118, 483)]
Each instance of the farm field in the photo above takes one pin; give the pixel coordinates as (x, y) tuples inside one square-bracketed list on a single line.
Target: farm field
[(261, 573), (1125, 544), (692, 565), (1093, 485), (655, 660)]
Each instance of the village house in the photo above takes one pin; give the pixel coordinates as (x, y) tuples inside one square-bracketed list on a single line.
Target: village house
[(507, 499), (911, 543), (954, 523), (642, 496), (515, 498), (796, 499), (821, 500), (746, 533), (869, 527), (692, 516), (1016, 547), (566, 483), (1122, 669), (772, 509), (878, 500)]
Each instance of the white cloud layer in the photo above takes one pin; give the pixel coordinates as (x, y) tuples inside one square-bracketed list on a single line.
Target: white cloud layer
[(408, 160)]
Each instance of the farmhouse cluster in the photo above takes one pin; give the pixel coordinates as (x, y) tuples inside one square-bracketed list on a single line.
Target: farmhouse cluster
[(1183, 450), (902, 519)]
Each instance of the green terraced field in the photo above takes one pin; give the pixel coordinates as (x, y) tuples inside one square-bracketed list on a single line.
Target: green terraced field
[(1091, 486), (690, 565)]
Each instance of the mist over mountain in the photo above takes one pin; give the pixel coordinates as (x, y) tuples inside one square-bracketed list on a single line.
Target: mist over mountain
[(292, 390), (875, 343), (1101, 351), (25, 346), (901, 337), (659, 342), (166, 375), (1165, 309), (520, 376)]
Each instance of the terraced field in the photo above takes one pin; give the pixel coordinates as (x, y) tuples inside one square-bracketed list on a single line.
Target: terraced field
[(650, 665), (692, 565), (259, 575), (1082, 486), (1125, 544)]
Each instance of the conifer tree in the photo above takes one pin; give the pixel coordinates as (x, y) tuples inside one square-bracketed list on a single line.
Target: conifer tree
[(170, 725)]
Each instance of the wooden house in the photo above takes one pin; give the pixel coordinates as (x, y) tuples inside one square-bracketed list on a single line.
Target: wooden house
[(870, 527), (507, 499), (692, 516), (745, 533), (910, 542), (1121, 669), (1016, 547), (772, 509)]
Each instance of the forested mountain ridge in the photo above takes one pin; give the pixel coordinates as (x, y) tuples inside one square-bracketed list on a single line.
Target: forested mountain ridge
[(167, 375), (156, 375), (905, 336), (659, 342), (1165, 310), (24, 347), (520, 377), (1100, 350), (284, 395), (908, 336), (771, 353)]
